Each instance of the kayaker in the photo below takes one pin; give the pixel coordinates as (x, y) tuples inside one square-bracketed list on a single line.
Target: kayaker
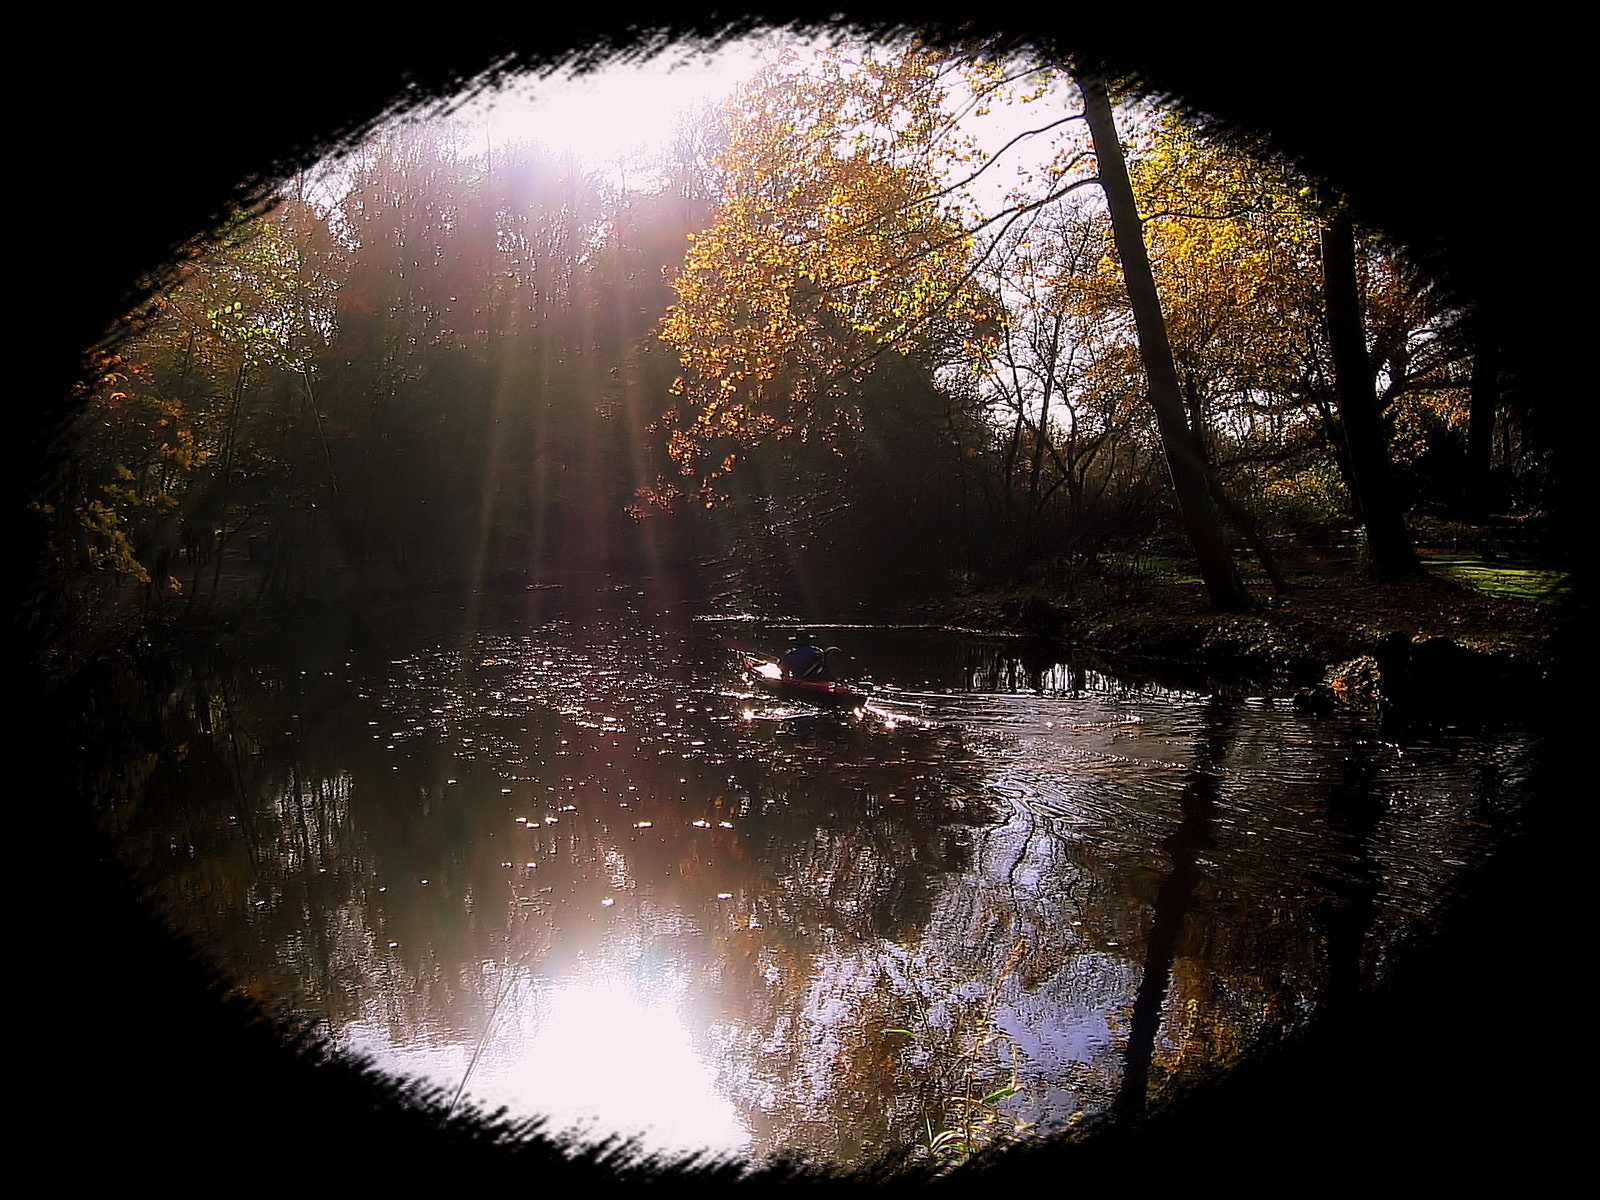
[(809, 663)]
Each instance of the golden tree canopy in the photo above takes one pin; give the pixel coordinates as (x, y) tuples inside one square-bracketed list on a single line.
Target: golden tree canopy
[(837, 239)]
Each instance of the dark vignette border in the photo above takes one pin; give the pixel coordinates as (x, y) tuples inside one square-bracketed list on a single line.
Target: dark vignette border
[(134, 134)]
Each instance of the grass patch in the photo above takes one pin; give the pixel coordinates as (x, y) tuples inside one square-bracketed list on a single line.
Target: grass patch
[(1526, 584), (1149, 567)]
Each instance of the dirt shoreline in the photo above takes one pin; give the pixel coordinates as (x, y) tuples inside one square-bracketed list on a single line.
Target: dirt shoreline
[(1321, 642)]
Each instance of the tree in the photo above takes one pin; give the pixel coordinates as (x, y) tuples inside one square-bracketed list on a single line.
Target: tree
[(1074, 433), (834, 244), (1234, 258), (842, 237), (1485, 390), (180, 434), (1185, 458), (1235, 244), (1388, 543)]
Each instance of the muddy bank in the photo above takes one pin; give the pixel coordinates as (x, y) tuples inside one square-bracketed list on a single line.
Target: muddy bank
[(1336, 640)]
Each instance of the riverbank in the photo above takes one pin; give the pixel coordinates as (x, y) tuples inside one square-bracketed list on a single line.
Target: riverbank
[(1321, 641)]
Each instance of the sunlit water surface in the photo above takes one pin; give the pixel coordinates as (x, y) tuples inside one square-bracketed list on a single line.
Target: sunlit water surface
[(584, 872)]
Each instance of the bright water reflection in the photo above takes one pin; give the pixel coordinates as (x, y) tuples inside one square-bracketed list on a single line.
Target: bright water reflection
[(588, 1053), (587, 874)]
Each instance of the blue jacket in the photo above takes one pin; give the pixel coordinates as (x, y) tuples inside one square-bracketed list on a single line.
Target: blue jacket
[(807, 662)]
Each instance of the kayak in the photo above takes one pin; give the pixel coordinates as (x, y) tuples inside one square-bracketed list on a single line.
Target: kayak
[(825, 693)]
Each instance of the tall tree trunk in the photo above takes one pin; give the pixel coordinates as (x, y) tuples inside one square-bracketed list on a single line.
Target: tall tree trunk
[(227, 469), (1388, 542), (1247, 525), (1184, 461), (1480, 422)]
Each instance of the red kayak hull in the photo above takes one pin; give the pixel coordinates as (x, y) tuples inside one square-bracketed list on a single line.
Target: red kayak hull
[(822, 692)]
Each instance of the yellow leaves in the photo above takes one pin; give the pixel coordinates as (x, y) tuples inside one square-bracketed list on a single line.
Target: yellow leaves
[(1234, 254), (842, 235), (109, 543), (828, 227), (127, 496), (1219, 224), (1417, 414), (187, 454)]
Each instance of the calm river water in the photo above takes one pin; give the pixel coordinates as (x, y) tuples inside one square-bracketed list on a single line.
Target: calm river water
[(582, 870)]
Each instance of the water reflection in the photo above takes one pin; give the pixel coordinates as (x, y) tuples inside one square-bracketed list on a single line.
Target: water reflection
[(584, 873), (592, 1053)]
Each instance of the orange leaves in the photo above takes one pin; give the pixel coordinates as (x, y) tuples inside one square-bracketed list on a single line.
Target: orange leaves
[(832, 245)]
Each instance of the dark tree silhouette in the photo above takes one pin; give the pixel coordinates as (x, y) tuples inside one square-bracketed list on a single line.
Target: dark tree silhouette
[(1184, 458)]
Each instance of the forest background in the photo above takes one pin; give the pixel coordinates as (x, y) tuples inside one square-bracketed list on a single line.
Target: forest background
[(823, 344)]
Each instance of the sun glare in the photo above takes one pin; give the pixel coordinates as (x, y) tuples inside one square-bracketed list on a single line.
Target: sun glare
[(622, 108), (594, 1054)]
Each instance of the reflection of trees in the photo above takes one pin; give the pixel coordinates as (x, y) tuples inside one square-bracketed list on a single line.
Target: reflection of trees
[(308, 831), (1173, 899), (1235, 957), (1145, 905), (1354, 806), (1325, 844)]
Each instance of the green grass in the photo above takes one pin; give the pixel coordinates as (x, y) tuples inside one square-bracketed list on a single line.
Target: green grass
[(1527, 584), (1152, 566), (1501, 580)]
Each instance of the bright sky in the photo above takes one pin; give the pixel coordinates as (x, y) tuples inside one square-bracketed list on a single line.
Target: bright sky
[(619, 108), (612, 113), (625, 107)]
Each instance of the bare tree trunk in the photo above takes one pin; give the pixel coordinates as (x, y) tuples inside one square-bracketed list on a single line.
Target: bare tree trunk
[(227, 469), (1247, 525), (1480, 423), (1184, 461), (1388, 542)]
